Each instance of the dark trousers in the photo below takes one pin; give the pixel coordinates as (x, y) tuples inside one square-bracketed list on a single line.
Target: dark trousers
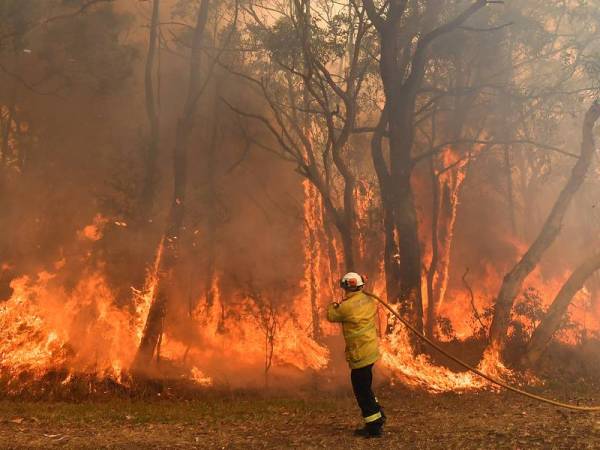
[(362, 380)]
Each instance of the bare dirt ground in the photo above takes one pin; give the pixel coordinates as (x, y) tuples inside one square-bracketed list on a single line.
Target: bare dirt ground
[(303, 420)]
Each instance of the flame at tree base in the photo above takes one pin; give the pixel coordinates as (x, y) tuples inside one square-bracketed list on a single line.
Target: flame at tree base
[(419, 372)]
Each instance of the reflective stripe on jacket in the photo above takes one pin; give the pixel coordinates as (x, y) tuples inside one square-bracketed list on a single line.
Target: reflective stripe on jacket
[(357, 314)]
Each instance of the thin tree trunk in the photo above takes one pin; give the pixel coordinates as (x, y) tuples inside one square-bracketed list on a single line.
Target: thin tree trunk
[(6, 150), (514, 279), (166, 267), (315, 287), (431, 272), (332, 256), (313, 213), (551, 322), (6, 131), (507, 129), (452, 185), (304, 11), (211, 204), (510, 191), (149, 186)]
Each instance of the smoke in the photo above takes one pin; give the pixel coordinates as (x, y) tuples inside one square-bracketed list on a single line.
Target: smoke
[(240, 313)]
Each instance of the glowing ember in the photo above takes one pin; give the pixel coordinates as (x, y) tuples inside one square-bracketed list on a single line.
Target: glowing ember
[(200, 378), (95, 230)]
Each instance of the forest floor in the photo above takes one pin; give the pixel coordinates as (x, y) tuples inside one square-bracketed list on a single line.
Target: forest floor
[(302, 420)]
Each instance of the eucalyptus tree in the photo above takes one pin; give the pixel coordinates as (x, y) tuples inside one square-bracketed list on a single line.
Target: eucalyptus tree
[(405, 32), (311, 81), (168, 256)]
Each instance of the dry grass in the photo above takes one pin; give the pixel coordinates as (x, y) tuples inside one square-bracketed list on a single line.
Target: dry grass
[(319, 420)]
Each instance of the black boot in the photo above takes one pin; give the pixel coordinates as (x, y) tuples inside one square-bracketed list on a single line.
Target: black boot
[(361, 432), (368, 432), (371, 430)]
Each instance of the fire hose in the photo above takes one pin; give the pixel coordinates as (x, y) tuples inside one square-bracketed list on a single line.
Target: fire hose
[(476, 371)]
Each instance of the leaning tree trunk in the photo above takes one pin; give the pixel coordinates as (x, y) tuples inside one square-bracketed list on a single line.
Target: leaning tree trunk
[(154, 323), (551, 322), (514, 279)]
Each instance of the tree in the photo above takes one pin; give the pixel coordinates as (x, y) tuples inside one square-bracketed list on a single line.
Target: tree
[(150, 172), (514, 279), (550, 324), (172, 235), (270, 317), (402, 65), (314, 109)]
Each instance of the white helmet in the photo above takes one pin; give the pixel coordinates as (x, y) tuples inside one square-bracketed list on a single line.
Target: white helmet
[(352, 280)]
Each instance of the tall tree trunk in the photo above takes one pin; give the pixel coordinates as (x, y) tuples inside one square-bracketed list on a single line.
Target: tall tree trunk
[(508, 129), (149, 182), (510, 190), (514, 279), (315, 286), (210, 166), (431, 272), (304, 11), (450, 186), (550, 323), (402, 72), (409, 250), (314, 214), (166, 267), (401, 139), (6, 132), (390, 253), (348, 226), (6, 151)]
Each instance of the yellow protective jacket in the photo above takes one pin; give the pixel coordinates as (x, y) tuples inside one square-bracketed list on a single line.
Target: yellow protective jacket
[(357, 314)]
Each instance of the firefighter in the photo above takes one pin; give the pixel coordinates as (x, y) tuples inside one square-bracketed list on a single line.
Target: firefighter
[(357, 312)]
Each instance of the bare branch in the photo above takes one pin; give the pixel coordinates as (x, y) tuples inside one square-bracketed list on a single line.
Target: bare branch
[(33, 87), (276, 134), (499, 27), (82, 9), (440, 147)]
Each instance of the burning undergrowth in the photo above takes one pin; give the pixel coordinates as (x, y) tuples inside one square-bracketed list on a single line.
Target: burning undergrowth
[(71, 334), (58, 336), (68, 329), (63, 335)]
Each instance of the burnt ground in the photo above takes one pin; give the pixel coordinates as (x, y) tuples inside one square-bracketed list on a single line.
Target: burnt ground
[(302, 420)]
